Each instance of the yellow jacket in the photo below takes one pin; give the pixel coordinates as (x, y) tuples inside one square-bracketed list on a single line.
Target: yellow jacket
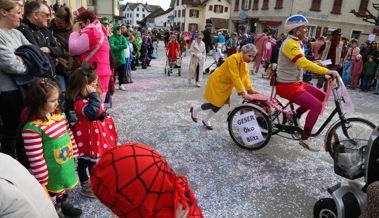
[(234, 72)]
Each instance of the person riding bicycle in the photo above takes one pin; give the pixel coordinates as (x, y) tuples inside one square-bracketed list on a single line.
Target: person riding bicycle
[(290, 85)]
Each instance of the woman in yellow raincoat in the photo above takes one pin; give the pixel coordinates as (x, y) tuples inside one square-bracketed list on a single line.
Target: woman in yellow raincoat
[(233, 73)]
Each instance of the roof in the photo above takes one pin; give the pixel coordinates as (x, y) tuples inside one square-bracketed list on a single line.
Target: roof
[(132, 6), (154, 14), (219, 23), (194, 2)]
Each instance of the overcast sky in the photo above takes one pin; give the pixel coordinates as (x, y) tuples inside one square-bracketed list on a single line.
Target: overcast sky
[(165, 4)]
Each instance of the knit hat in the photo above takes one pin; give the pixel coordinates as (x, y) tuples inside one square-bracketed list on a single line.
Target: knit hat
[(134, 180)]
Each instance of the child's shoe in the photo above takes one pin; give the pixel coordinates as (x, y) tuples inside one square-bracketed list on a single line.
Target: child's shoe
[(87, 190), (69, 210)]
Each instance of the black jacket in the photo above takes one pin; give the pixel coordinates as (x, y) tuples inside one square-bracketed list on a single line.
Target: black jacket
[(42, 37)]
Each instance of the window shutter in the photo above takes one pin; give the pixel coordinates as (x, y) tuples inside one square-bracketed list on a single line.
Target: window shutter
[(190, 13), (250, 4), (222, 9), (236, 5), (243, 4), (215, 8), (197, 13), (210, 7), (325, 31), (189, 27), (318, 32), (226, 9), (184, 13)]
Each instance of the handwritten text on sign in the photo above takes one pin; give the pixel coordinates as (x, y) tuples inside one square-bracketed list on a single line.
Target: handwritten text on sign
[(249, 129)]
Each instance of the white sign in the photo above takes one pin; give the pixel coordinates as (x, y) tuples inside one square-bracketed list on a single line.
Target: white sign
[(249, 129), (326, 62), (371, 37)]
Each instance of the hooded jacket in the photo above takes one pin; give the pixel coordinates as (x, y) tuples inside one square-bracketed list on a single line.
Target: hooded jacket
[(117, 44)]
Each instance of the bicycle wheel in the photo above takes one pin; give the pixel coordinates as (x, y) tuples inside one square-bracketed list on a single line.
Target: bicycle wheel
[(358, 129), (263, 121)]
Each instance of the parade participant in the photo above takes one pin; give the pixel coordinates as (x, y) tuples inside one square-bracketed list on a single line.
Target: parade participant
[(11, 102), (196, 65), (49, 143), (290, 75), (135, 180), (356, 71), (173, 50), (94, 131), (88, 34), (331, 49), (234, 72), (352, 52), (260, 42)]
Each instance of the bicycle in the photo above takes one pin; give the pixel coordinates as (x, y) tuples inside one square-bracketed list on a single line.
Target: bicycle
[(271, 117)]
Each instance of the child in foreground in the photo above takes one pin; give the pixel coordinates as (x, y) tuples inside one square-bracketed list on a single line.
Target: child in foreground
[(49, 143)]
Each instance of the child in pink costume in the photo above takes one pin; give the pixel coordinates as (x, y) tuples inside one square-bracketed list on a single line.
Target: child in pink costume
[(356, 70)]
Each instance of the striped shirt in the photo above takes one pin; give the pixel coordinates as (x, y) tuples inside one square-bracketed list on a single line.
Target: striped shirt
[(34, 145)]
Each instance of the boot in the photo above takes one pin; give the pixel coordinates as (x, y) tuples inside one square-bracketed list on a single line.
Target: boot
[(69, 210), (144, 65), (87, 190)]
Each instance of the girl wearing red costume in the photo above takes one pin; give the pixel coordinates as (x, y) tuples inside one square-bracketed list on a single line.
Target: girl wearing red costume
[(94, 131)]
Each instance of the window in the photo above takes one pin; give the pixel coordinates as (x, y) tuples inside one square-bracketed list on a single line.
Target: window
[(364, 4), (127, 9), (175, 13), (137, 15), (177, 2), (194, 13), (337, 6), (218, 9), (178, 13), (89, 2), (143, 15), (210, 8), (312, 31), (192, 26), (137, 9), (265, 4), (183, 12), (315, 5), (279, 4), (236, 5), (247, 4), (255, 5), (226, 9)]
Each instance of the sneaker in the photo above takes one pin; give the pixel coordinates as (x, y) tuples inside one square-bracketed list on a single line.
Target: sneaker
[(121, 87), (309, 144), (87, 190), (197, 84)]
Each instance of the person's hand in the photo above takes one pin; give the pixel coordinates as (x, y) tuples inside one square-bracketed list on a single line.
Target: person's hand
[(90, 89), (334, 74), (76, 27), (252, 92), (46, 50), (194, 55), (247, 97), (19, 58), (318, 62)]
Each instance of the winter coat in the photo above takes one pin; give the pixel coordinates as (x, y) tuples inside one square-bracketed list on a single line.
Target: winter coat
[(65, 62), (369, 68), (172, 49), (200, 52), (233, 73), (356, 68), (118, 44), (42, 37)]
